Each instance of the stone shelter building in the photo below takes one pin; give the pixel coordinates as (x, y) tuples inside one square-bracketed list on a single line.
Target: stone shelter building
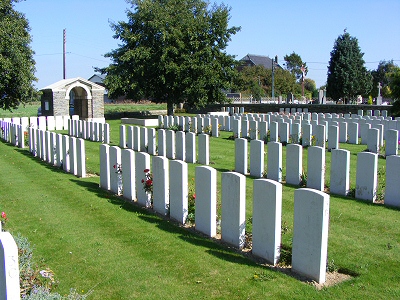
[(73, 96)]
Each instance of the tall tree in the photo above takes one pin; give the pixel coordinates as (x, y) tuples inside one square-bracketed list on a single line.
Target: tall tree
[(294, 65), (17, 66), (172, 51), (381, 75), (347, 75), (394, 85)]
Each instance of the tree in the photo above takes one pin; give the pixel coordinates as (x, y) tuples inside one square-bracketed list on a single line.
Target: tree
[(347, 75), (381, 75), (394, 84), (172, 51), (17, 66), (294, 63)]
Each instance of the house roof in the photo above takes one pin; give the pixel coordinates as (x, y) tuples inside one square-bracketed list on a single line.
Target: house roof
[(258, 60), (64, 83)]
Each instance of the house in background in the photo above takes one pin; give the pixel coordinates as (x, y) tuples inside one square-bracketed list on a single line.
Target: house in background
[(73, 96), (99, 79), (257, 60)]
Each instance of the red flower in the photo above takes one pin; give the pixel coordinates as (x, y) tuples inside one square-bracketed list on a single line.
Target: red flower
[(114, 166), (194, 196), (149, 182), (3, 215), (142, 180), (146, 170)]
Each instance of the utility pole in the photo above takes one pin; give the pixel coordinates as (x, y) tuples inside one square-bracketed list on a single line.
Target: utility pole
[(273, 76), (64, 52)]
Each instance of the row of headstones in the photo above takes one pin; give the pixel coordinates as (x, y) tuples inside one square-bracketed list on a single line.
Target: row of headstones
[(12, 133), (173, 145), (123, 172), (59, 150), (366, 173), (42, 122), (88, 130)]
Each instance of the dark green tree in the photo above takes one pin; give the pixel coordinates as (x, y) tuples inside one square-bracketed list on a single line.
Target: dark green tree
[(172, 51), (394, 86), (294, 63), (17, 66), (347, 75), (381, 75)]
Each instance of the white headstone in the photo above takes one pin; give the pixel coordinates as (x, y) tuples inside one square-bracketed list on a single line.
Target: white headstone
[(256, 158), (204, 149), (366, 177), (310, 234), (267, 215), (241, 155), (316, 168), (129, 176), (294, 164), (142, 163), (162, 142), (9, 268), (274, 161), (115, 170), (233, 223), (170, 139), (206, 200), (178, 190), (105, 166), (160, 168), (392, 191), (340, 172)]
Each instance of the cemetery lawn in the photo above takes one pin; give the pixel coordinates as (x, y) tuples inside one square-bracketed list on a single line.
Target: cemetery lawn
[(94, 240)]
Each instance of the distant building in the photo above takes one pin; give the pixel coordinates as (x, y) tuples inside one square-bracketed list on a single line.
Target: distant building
[(73, 96), (257, 60), (99, 79)]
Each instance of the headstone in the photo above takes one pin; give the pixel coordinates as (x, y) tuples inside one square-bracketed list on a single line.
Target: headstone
[(9, 268), (274, 161), (136, 138), (129, 175), (373, 140), (310, 234), (273, 131), (106, 133), (267, 215), (143, 139), (160, 168), (178, 190), (316, 168), (162, 143), (241, 155), (129, 137), (206, 200), (151, 141), (215, 127), (65, 151), (180, 146), (59, 150), (296, 133), (294, 164), (190, 147), (204, 149), (237, 128), (340, 172), (115, 170), (256, 158), (80, 158), (342, 132), (284, 132), (306, 135), (366, 176), (333, 137), (320, 136), (392, 191), (233, 223), (353, 133), (142, 163), (170, 150), (392, 142)]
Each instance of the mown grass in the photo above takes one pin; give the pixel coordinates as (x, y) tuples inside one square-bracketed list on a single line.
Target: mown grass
[(93, 239)]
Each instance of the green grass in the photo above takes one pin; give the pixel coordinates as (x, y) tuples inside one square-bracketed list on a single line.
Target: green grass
[(92, 239)]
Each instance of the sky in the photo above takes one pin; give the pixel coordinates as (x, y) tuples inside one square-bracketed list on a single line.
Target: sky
[(309, 28)]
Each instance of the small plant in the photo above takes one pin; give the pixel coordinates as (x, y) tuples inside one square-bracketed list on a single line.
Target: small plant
[(303, 179), (208, 130), (148, 181), (3, 219), (191, 202)]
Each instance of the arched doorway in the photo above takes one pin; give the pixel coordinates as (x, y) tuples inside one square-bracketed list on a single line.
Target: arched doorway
[(78, 102)]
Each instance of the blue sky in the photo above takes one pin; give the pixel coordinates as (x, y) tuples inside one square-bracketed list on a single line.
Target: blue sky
[(308, 28)]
